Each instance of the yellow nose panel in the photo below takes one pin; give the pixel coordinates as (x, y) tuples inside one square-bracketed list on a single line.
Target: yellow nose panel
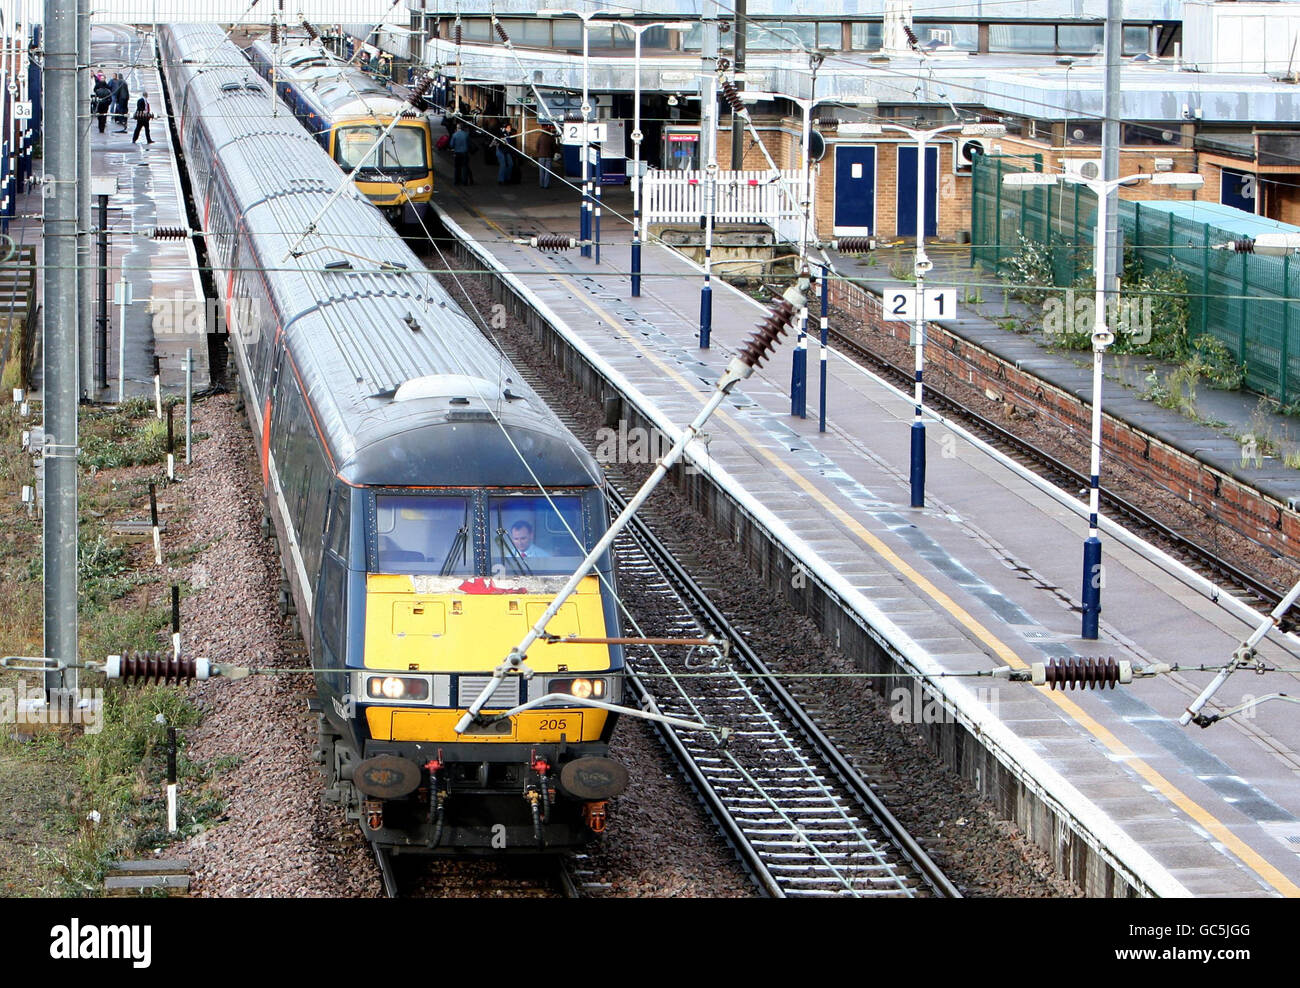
[(426, 618), (454, 631)]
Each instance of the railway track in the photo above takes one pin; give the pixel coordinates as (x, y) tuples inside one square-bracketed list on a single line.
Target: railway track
[(804, 820), (540, 877), (1251, 587)]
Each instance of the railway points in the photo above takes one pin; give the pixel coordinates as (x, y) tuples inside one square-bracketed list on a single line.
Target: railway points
[(1122, 797)]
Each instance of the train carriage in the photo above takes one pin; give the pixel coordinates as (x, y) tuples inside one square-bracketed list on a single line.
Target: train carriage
[(426, 503), (347, 110)]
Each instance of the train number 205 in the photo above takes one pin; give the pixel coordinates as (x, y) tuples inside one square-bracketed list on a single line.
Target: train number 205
[(554, 724)]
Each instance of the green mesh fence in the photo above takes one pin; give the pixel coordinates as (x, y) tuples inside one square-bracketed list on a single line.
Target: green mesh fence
[(1247, 301)]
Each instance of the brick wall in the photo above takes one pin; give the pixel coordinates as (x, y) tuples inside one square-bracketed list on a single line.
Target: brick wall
[(1234, 503), (1132, 161)]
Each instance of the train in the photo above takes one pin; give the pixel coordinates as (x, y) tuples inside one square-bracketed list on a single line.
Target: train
[(427, 505), (346, 109)]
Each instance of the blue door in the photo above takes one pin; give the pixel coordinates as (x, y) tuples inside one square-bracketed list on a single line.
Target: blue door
[(855, 189), (907, 191)]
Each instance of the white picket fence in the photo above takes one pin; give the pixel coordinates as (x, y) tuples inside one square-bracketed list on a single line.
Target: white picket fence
[(740, 197)]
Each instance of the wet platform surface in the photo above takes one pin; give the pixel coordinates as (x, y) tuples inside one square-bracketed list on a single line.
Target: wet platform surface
[(167, 314)]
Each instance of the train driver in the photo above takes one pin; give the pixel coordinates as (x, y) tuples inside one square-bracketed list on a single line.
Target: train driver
[(521, 534)]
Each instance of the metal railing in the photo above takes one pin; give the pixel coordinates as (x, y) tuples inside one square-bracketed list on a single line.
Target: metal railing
[(740, 197)]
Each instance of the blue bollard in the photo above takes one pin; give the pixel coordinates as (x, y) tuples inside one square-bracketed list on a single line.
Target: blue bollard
[(1091, 587), (706, 315), (799, 381), (918, 464)]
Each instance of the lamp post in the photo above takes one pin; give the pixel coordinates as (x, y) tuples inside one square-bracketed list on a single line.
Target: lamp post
[(921, 265), (799, 365), (637, 137), (585, 215), (1102, 338)]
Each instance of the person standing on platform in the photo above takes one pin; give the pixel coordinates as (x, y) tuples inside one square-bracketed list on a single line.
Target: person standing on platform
[(460, 156), (545, 155), (143, 114), (121, 101), (102, 100), (505, 154)]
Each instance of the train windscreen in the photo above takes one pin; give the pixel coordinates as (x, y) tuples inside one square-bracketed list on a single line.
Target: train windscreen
[(424, 535), (403, 153), (530, 534)]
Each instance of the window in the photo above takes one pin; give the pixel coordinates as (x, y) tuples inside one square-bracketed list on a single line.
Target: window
[(1080, 39), (783, 35), (403, 149), (1022, 38), (1137, 40), (655, 37), (567, 32), (600, 35), (423, 535), (867, 37), (340, 522), (530, 534), (963, 36), (830, 34), (476, 29), (533, 31)]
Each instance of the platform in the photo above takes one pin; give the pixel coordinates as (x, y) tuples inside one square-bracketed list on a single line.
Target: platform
[(987, 574), (167, 314)]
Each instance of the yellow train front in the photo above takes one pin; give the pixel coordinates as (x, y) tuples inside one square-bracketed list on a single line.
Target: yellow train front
[(346, 110), (453, 579)]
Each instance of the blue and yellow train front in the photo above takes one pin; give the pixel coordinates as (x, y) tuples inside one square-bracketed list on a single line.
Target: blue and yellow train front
[(398, 176)]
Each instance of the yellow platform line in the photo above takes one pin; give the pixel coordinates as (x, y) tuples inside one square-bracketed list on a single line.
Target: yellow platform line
[(1248, 855)]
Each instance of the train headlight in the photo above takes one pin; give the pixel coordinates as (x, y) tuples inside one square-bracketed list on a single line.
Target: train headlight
[(581, 688), (397, 688)]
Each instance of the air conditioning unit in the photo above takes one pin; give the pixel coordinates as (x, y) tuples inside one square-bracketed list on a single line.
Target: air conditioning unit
[(964, 152), (1087, 168)]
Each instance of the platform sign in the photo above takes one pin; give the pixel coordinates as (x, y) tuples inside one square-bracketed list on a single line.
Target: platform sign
[(580, 133), (900, 304), (23, 110)]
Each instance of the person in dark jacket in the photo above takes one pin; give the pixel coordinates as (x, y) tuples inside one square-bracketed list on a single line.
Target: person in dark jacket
[(460, 156), (545, 155), (143, 114), (505, 153), (101, 100), (120, 102)]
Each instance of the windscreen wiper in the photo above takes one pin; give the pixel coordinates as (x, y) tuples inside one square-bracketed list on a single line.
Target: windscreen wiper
[(457, 545)]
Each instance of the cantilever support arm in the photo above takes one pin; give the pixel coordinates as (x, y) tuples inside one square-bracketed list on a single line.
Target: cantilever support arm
[(1243, 656)]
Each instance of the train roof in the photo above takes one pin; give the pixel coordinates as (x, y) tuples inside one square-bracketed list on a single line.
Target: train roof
[(338, 89), (405, 387)]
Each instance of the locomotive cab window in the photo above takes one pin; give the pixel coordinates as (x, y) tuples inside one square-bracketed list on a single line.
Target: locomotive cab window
[(423, 535), (530, 534), (402, 153)]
